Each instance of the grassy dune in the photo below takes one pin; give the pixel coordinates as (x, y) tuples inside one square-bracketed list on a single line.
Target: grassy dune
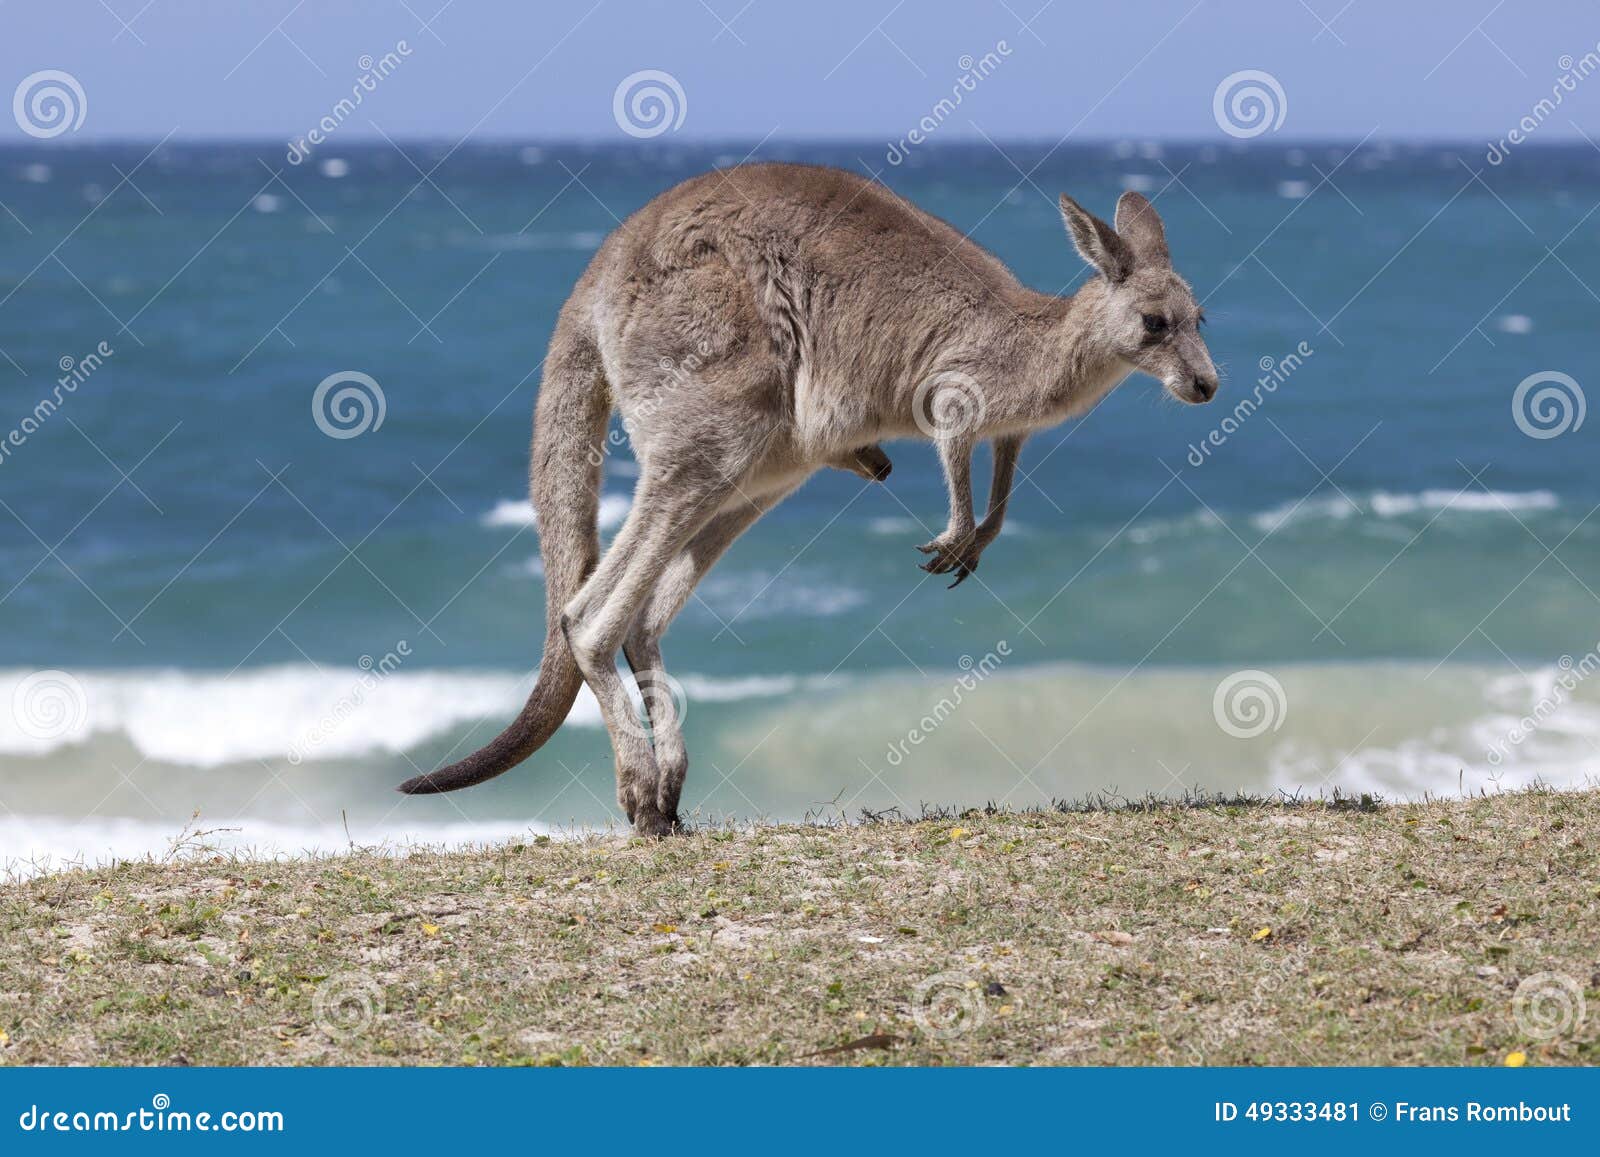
[(1440, 933)]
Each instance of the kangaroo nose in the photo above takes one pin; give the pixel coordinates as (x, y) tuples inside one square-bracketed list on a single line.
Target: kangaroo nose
[(1205, 387)]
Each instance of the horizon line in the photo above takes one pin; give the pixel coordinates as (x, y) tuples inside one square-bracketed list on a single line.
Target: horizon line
[(1232, 144)]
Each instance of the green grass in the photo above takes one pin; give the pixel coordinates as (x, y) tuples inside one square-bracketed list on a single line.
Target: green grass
[(1218, 934)]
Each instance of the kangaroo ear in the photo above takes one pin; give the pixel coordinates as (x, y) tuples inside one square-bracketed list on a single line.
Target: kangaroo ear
[(1140, 226), (1096, 241)]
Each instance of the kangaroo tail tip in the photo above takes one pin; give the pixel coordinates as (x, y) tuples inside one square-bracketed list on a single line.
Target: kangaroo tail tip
[(420, 785)]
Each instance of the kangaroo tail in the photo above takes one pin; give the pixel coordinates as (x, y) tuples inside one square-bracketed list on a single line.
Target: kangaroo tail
[(574, 407)]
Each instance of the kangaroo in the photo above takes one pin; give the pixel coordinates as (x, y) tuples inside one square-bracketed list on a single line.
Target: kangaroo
[(823, 314)]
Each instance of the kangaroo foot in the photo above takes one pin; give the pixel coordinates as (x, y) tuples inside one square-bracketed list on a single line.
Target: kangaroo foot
[(952, 555), (650, 823)]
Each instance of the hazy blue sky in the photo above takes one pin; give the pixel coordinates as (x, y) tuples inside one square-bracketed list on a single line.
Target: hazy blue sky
[(862, 69)]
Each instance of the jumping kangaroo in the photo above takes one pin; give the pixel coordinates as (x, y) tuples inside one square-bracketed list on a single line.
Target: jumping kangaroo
[(821, 314)]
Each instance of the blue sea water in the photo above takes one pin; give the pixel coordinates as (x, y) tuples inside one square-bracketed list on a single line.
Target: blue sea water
[(1374, 577)]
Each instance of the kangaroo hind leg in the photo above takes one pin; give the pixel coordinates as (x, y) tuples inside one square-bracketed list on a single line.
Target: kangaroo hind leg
[(642, 647), (670, 507)]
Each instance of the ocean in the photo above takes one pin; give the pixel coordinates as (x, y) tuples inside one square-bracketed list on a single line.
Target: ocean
[(235, 604)]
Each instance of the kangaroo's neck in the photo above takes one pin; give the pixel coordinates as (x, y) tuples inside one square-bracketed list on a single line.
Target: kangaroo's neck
[(1063, 362)]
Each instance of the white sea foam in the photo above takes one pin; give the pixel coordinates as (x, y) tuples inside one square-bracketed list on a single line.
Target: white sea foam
[(758, 594), (1401, 730), (583, 240), (893, 526), (1383, 504), (35, 844), (211, 719), (519, 512)]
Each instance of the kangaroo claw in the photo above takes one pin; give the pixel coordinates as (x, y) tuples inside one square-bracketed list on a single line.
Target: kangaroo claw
[(961, 559)]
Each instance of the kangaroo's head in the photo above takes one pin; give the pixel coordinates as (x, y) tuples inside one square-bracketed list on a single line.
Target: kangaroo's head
[(1149, 317)]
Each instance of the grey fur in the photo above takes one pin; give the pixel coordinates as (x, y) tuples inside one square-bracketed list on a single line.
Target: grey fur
[(816, 313)]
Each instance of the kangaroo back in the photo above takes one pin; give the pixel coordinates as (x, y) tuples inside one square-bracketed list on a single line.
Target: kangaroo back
[(569, 426)]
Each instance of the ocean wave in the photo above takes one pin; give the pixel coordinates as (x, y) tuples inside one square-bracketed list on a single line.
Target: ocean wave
[(1382, 505), (293, 712), (894, 526), (519, 512), (898, 526), (583, 240), (759, 594), (1400, 730), (1387, 505)]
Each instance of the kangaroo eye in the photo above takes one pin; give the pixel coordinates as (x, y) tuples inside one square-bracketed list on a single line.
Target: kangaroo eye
[(1154, 324)]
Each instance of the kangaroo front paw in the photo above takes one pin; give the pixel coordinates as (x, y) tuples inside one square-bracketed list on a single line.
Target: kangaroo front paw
[(869, 462), (952, 555)]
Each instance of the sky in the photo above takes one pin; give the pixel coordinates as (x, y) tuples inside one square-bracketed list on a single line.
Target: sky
[(787, 69)]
